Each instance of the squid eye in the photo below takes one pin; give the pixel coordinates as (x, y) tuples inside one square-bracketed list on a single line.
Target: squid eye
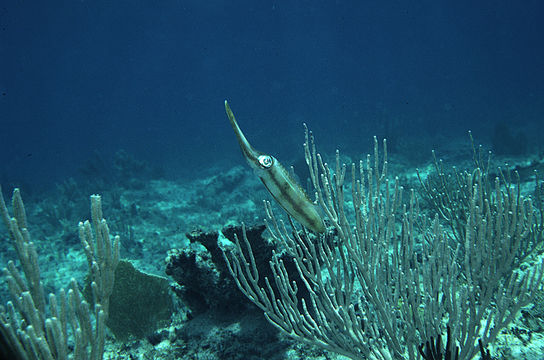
[(265, 161)]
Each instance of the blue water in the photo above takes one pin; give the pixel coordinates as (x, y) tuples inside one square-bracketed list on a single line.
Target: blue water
[(148, 77)]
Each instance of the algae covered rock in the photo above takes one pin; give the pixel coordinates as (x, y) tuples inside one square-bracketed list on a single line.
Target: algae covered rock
[(140, 303)]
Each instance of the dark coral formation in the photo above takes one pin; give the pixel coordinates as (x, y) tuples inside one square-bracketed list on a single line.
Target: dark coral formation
[(201, 272), (223, 323)]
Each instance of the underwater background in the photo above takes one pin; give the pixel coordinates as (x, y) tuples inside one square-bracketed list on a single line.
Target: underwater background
[(126, 99)]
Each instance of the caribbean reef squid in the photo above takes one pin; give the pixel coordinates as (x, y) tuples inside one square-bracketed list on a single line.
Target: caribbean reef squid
[(283, 188)]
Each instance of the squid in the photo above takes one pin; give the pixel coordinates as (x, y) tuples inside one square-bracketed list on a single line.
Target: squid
[(283, 188)]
